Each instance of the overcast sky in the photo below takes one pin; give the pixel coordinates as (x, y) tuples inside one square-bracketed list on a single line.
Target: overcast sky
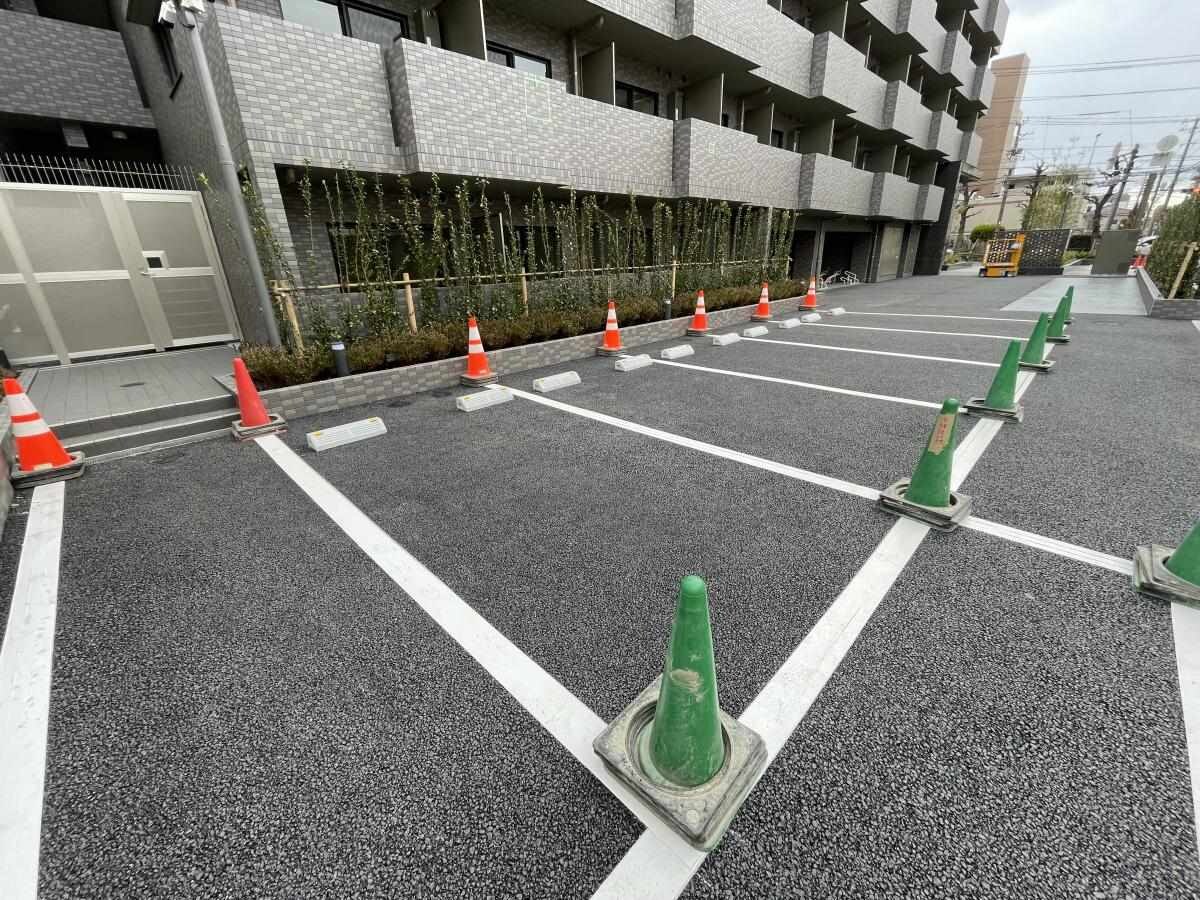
[(1055, 32)]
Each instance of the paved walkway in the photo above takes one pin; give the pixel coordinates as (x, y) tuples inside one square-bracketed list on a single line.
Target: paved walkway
[(1104, 296), (114, 387)]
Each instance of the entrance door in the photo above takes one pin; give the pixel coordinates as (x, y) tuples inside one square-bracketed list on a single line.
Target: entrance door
[(104, 271)]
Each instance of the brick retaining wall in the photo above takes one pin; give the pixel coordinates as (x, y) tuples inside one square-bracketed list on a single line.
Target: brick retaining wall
[(374, 387), (1158, 307)]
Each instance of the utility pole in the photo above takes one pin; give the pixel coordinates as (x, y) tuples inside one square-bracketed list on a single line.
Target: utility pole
[(1112, 216), (1182, 158), (1038, 171), (1012, 162), (1140, 211), (1092, 157)]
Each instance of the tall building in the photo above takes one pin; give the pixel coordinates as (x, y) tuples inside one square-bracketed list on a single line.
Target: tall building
[(857, 114), (999, 131)]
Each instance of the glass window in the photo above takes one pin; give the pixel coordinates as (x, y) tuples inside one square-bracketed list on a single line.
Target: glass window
[(313, 13), (348, 17), (166, 52), (515, 59), (776, 138), (637, 98)]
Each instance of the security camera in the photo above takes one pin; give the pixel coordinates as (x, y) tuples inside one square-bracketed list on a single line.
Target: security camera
[(167, 14)]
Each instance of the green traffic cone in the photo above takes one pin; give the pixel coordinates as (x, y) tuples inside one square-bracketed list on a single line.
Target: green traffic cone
[(1170, 573), (686, 744), (930, 485), (1185, 561), (1001, 399), (1069, 297), (1034, 356), (1058, 322)]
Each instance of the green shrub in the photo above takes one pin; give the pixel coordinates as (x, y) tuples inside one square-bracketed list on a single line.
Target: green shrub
[(984, 232), (274, 367)]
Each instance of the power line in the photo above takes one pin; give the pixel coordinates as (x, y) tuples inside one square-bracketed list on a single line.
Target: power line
[(1170, 90), (1133, 62)]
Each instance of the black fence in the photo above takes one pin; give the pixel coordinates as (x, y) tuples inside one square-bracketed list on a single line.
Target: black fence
[(31, 168)]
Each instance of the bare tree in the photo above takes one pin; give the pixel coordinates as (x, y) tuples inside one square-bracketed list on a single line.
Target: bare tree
[(967, 196), (1109, 179)]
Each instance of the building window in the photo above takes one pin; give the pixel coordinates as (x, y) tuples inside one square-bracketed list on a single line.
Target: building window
[(348, 17), (724, 120), (517, 59), (637, 98), (166, 52), (776, 138)]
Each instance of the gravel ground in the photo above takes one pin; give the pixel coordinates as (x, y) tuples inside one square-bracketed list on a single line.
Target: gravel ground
[(1002, 728), (571, 537), (245, 706)]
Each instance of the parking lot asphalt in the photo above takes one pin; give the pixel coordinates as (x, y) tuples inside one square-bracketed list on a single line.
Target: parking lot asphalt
[(246, 704)]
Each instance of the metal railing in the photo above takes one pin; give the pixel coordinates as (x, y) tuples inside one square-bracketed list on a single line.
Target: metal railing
[(32, 168)]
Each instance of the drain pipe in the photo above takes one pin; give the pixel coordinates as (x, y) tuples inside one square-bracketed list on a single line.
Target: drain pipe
[(229, 173)]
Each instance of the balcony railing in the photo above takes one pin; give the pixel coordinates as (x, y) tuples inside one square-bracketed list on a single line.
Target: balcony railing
[(724, 164), (892, 196), (832, 185), (29, 168), (929, 203), (944, 136), (906, 114), (956, 58)]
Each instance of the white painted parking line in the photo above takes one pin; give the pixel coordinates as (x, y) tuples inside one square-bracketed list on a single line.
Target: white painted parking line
[(1185, 620), (785, 700), (947, 359), (801, 384), (997, 337), (852, 312), (26, 664), (758, 462), (1051, 545), (555, 708)]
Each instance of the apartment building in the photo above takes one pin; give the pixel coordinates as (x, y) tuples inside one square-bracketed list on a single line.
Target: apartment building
[(859, 115), (998, 135)]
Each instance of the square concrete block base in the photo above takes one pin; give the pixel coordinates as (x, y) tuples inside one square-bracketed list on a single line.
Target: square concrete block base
[(943, 518), (977, 406), (275, 424), (701, 814), (478, 381), (73, 469), (697, 332), (1151, 576)]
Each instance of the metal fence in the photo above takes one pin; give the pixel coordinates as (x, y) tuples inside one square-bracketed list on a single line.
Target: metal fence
[(31, 168)]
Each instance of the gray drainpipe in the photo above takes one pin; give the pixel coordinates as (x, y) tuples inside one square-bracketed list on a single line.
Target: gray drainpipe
[(229, 176)]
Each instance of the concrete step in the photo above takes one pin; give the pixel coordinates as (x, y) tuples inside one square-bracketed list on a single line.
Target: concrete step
[(143, 418), (140, 438)]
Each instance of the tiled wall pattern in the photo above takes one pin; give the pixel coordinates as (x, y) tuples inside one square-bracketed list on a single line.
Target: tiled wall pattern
[(66, 71), (711, 161)]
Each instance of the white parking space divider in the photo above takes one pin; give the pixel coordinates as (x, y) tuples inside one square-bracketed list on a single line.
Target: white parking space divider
[(724, 340), (811, 317), (633, 363), (482, 400), (677, 352), (756, 331), (556, 381), (790, 323), (340, 435), (838, 311)]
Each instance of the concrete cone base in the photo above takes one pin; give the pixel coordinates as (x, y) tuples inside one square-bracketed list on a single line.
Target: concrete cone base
[(977, 406), (604, 351), (943, 518), (275, 424), (701, 814), (697, 332), (1065, 339), (73, 469), (1151, 576), (1043, 366), (478, 380), (758, 318)]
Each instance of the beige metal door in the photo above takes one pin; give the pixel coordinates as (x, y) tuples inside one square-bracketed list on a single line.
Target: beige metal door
[(90, 271)]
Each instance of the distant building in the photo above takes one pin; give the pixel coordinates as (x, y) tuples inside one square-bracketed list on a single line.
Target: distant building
[(999, 129)]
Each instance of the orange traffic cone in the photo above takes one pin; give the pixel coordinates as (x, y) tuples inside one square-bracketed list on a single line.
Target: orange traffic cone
[(478, 371), (810, 299), (762, 312), (699, 323), (40, 456), (255, 421), (612, 334)]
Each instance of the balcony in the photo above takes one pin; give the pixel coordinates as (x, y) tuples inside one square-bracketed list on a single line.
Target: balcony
[(904, 112), (832, 185), (839, 73), (724, 164), (983, 86), (992, 19), (928, 207), (956, 59), (461, 115), (944, 136), (92, 83), (915, 18), (892, 197), (969, 149)]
